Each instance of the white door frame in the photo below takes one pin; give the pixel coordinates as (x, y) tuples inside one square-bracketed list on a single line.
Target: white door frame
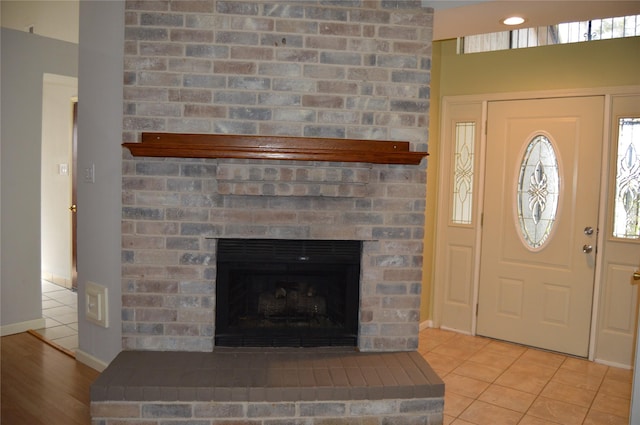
[(443, 192)]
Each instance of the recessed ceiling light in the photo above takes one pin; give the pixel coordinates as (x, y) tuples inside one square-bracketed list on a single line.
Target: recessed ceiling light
[(513, 20)]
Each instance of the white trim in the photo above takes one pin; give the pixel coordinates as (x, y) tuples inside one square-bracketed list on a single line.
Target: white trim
[(16, 328), (458, 331), (545, 94), (90, 361), (426, 325), (613, 364), (602, 226), (607, 92), (480, 212)]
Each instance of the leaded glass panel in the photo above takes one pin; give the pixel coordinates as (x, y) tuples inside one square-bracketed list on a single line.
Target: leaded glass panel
[(463, 173), (627, 201), (538, 191)]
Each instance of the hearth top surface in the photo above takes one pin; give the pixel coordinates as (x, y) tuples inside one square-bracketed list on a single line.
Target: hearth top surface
[(279, 374)]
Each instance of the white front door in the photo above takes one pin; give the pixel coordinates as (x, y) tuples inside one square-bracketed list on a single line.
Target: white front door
[(540, 215)]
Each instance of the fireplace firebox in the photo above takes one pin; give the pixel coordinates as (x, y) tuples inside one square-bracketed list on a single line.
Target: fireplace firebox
[(287, 293)]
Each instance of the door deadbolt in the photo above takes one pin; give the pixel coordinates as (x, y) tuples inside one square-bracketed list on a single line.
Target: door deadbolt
[(73, 208), (588, 230)]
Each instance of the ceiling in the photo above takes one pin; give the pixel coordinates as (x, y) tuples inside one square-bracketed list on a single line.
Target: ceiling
[(456, 18)]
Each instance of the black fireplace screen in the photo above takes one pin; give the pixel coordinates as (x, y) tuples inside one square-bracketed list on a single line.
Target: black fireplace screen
[(287, 293)]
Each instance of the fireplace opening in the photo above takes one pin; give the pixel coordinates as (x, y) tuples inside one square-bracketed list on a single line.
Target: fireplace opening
[(287, 293)]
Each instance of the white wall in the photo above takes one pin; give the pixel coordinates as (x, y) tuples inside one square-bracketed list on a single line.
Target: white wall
[(57, 130), (100, 73), (24, 60)]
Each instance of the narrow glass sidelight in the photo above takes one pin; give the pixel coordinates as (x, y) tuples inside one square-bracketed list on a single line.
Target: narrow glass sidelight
[(538, 192), (462, 210), (626, 220)]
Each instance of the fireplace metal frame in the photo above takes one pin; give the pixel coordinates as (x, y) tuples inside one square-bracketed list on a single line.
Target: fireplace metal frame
[(243, 261)]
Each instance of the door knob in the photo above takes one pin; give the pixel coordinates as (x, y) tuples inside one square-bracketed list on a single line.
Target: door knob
[(73, 208), (636, 275), (587, 249)]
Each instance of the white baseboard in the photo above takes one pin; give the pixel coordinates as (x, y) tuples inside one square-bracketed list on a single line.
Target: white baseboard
[(90, 361), (65, 282), (445, 328), (426, 324), (16, 328), (613, 364)]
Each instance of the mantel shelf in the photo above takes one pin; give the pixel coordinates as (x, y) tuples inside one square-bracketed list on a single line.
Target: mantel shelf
[(274, 148)]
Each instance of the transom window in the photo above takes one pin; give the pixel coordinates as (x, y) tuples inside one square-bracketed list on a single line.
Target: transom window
[(570, 32)]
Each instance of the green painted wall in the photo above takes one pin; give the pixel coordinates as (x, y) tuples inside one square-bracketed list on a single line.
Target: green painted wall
[(579, 65), (605, 63)]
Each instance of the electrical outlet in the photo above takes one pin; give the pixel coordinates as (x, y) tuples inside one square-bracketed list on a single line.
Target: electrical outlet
[(96, 304), (90, 174)]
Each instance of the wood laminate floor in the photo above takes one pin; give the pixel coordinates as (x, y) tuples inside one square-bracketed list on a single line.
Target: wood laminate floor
[(41, 385)]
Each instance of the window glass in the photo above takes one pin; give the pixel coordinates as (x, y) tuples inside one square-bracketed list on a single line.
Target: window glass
[(569, 32), (538, 192), (463, 173), (626, 214)]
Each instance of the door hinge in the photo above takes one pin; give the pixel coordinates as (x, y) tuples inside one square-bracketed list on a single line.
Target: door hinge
[(481, 219), (477, 309)]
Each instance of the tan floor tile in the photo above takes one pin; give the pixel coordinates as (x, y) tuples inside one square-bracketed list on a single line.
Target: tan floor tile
[(616, 388), (440, 363), (584, 366), (506, 348), (543, 358), (624, 375), (461, 422), (489, 357), (437, 335), (544, 388), (454, 404), (463, 385), (599, 418), (460, 348), (532, 420), (577, 379), (557, 411), (508, 398), (522, 380), (606, 403), (533, 367), (448, 420), (481, 413), (478, 371), (568, 393)]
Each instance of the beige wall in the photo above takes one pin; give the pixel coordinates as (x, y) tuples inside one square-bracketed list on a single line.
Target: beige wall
[(50, 18), (605, 63)]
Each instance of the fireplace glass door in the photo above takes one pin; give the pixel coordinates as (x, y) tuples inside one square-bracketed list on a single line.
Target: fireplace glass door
[(287, 293)]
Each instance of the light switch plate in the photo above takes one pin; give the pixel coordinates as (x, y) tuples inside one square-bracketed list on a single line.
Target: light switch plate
[(96, 304), (63, 169)]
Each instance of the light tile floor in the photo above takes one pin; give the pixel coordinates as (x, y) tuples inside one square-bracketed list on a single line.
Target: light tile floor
[(489, 382), (60, 311)]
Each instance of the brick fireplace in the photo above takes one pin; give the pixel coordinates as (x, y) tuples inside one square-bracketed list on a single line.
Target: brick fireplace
[(309, 69)]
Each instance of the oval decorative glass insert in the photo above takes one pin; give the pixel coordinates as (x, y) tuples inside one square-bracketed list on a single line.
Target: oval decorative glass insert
[(538, 191)]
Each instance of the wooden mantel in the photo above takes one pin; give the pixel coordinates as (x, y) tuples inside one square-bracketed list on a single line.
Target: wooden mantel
[(274, 147)]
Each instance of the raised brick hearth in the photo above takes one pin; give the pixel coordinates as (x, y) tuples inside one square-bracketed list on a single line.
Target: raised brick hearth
[(272, 386), (344, 69)]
